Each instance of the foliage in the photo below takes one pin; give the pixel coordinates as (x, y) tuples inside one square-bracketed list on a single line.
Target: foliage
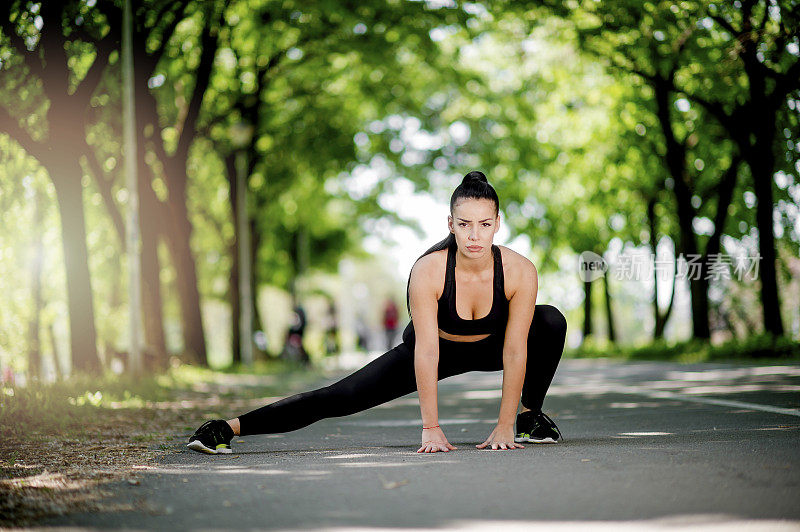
[(555, 101), (308, 77), (765, 347)]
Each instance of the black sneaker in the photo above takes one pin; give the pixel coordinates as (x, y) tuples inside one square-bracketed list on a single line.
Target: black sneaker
[(536, 427), (213, 437)]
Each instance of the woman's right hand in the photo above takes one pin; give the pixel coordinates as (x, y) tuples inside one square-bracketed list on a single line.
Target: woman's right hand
[(434, 440)]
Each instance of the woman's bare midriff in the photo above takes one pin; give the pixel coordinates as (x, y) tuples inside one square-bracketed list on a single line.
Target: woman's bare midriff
[(462, 337)]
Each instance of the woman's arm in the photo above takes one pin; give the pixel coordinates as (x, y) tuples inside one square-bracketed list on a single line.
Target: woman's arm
[(515, 352), (423, 302)]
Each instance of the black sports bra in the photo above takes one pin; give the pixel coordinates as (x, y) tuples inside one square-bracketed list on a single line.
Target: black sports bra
[(493, 323)]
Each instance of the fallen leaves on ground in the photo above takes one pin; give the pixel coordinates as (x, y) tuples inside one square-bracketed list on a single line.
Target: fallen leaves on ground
[(391, 484), (50, 472)]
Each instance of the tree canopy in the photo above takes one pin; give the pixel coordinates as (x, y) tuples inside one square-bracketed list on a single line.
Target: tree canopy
[(603, 126)]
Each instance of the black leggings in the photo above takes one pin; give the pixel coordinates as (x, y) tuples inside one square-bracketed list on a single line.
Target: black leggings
[(392, 375)]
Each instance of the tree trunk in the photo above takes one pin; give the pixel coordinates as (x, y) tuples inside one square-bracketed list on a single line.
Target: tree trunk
[(236, 311), (186, 281), (151, 218), (258, 322), (698, 288), (761, 168), (233, 286), (175, 227), (153, 316), (661, 319), (676, 163), (56, 357), (60, 155), (612, 336), (175, 168), (255, 240), (587, 310), (658, 332), (179, 238), (34, 343), (761, 160), (83, 335)]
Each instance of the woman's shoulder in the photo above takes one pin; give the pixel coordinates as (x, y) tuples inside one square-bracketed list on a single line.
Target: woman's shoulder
[(517, 268), (515, 259), (430, 263), (428, 272)]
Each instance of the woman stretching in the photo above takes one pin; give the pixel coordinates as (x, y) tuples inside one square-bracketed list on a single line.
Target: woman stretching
[(472, 309)]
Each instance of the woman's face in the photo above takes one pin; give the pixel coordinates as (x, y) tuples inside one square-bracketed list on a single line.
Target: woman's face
[(474, 223)]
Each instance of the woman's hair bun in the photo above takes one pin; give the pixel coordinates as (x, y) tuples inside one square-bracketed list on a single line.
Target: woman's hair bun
[(475, 175)]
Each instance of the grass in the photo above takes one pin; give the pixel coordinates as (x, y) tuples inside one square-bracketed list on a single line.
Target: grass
[(63, 406), (758, 348), (63, 441)]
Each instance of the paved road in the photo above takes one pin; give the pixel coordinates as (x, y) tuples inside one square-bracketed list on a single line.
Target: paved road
[(648, 445)]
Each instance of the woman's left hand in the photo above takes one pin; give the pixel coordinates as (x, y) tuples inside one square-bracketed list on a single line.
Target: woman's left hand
[(502, 437)]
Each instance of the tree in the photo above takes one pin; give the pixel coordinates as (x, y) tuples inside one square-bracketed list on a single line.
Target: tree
[(762, 37), (54, 70), (534, 114), (736, 62), (309, 89)]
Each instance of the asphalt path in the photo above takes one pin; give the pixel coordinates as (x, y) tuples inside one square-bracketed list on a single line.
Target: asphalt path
[(647, 446)]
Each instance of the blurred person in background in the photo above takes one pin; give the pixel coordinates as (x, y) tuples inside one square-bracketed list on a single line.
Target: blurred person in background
[(331, 329), (391, 317), (293, 348)]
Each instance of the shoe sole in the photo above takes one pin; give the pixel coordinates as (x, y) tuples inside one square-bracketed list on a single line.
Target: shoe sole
[(546, 440), (531, 440), (196, 445)]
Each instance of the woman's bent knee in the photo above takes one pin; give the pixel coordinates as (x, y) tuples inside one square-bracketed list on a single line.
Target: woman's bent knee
[(549, 317)]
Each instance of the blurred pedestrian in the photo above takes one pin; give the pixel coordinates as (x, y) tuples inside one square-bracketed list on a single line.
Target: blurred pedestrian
[(391, 317), (293, 348), (8, 376), (331, 330)]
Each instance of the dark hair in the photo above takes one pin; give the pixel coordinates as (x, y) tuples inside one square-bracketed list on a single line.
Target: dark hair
[(474, 185)]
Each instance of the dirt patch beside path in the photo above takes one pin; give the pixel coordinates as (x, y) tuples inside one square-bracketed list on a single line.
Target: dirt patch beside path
[(72, 467)]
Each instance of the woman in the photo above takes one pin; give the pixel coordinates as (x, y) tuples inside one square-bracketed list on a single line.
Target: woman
[(472, 308)]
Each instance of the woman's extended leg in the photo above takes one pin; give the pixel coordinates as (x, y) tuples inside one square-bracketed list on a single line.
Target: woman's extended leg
[(387, 377)]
